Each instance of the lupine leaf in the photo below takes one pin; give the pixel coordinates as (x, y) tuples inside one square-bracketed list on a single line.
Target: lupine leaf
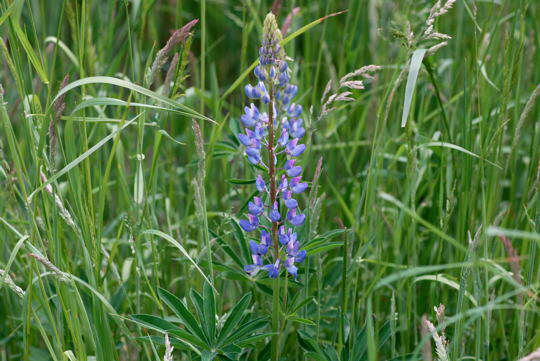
[(207, 355), (254, 339), (309, 344), (230, 252), (197, 300), (246, 329), (239, 235), (301, 320), (330, 353), (186, 337), (302, 303), (182, 312), (235, 315), (153, 322), (316, 356), (159, 340), (241, 181), (209, 312)]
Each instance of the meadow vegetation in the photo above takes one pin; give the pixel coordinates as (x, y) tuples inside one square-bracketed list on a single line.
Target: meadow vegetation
[(124, 185)]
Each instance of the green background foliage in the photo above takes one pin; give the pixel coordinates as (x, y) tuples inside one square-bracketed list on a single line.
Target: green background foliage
[(444, 210)]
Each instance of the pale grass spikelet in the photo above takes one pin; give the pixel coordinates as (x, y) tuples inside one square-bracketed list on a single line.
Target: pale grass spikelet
[(432, 14), (199, 145), (426, 348), (170, 74), (288, 20), (162, 55), (437, 10), (515, 266), (529, 106), (62, 276), (434, 48), (440, 348), (62, 210), (409, 35), (438, 36), (58, 108), (347, 81), (168, 349), (354, 84), (439, 311), (5, 279), (446, 8), (535, 356), (429, 33)]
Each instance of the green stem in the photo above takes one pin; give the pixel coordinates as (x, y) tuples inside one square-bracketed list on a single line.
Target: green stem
[(275, 321)]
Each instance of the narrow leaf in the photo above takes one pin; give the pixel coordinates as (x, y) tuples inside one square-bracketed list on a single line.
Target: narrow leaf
[(414, 68)]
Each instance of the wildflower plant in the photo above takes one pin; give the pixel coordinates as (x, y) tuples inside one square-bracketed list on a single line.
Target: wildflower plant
[(272, 144)]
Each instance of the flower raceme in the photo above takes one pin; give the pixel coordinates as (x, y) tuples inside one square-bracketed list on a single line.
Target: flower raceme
[(271, 137)]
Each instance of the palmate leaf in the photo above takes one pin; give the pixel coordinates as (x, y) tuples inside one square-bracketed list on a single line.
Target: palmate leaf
[(153, 322), (230, 252), (209, 312), (185, 315), (309, 344), (201, 331), (159, 340), (254, 339), (197, 301), (246, 329), (234, 318), (239, 236), (301, 320), (164, 326), (207, 355), (330, 353)]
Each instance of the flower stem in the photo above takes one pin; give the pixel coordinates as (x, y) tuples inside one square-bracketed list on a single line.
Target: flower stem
[(273, 197), (275, 321), (272, 167)]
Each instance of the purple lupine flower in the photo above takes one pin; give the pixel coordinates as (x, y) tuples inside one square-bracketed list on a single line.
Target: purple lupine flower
[(274, 214), (252, 269), (259, 183), (273, 269), (290, 267), (251, 224), (289, 201), (297, 186), (256, 207), (274, 128)]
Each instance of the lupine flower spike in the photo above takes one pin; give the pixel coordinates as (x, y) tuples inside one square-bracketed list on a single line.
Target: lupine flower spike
[(271, 141)]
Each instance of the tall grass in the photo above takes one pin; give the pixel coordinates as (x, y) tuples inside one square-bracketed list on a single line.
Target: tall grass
[(115, 189)]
